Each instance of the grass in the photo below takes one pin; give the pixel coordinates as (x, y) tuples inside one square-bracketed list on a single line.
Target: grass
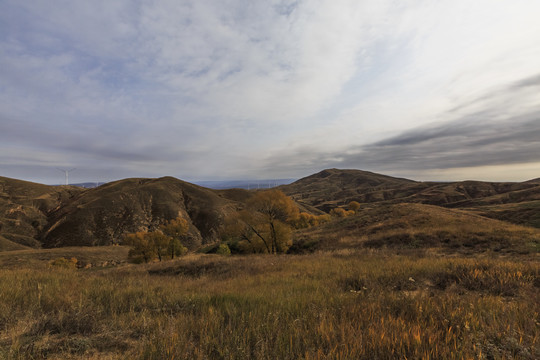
[(420, 226), (344, 304)]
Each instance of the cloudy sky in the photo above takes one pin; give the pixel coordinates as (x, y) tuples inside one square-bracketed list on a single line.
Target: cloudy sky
[(238, 89)]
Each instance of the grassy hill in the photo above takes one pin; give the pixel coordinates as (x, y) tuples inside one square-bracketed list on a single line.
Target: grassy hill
[(101, 216), (23, 210), (420, 226), (35, 215), (336, 188)]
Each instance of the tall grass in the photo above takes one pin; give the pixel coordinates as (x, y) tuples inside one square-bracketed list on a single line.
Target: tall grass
[(341, 305)]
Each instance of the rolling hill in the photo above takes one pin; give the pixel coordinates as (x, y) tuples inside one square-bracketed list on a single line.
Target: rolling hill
[(508, 201), (419, 226), (101, 216), (23, 210), (35, 215)]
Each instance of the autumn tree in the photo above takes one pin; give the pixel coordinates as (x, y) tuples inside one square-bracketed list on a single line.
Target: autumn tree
[(175, 230), (166, 241), (141, 246), (160, 242), (265, 224), (306, 220)]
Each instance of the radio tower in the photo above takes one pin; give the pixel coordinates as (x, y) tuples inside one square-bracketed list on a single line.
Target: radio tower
[(67, 173)]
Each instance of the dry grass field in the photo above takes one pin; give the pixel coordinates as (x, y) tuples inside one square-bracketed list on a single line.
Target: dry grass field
[(341, 304)]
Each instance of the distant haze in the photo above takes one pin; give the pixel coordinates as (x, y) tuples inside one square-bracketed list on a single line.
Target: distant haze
[(224, 90)]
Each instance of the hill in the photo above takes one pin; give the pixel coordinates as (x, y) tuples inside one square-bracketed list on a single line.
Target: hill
[(35, 215), (336, 188), (413, 226), (101, 216), (333, 187), (23, 210)]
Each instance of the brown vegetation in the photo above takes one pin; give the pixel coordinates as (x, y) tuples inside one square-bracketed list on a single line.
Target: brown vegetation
[(336, 305)]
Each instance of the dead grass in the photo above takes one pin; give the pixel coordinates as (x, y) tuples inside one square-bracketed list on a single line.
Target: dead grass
[(41, 258), (345, 304), (421, 226)]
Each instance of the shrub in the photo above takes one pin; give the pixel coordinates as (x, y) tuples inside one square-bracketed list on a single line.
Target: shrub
[(64, 263), (223, 249)]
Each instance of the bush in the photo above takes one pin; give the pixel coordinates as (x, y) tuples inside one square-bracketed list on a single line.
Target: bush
[(223, 249), (64, 263)]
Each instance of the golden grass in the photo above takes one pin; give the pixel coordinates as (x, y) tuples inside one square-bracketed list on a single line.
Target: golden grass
[(40, 258), (422, 226), (345, 304)]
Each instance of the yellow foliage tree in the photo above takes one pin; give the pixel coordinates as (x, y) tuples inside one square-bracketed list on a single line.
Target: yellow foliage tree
[(265, 223), (175, 230), (145, 246)]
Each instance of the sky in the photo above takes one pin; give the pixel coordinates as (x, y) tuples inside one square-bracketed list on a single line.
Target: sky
[(238, 89)]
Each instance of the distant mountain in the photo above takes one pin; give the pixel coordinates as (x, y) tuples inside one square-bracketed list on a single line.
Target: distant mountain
[(333, 187), (88, 185)]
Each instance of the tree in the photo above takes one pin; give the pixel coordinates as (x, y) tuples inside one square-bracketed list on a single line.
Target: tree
[(175, 230), (160, 242), (175, 248), (141, 246), (265, 223), (146, 246)]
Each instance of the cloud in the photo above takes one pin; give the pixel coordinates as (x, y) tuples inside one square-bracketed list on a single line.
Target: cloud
[(252, 89), (485, 136)]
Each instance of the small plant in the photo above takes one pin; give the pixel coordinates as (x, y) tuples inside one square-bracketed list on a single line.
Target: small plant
[(223, 249), (64, 263)]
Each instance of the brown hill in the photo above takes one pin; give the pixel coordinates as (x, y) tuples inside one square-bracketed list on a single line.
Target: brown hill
[(23, 210), (419, 226), (333, 187), (336, 188), (35, 215), (101, 216)]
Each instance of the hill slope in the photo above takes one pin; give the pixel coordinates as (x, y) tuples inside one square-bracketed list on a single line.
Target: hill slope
[(336, 188), (421, 226), (23, 210), (101, 216)]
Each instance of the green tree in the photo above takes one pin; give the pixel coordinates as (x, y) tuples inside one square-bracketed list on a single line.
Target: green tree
[(175, 248)]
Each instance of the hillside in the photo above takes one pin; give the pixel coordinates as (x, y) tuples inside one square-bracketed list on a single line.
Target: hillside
[(101, 216), (35, 215), (336, 188), (333, 187), (23, 210), (413, 226)]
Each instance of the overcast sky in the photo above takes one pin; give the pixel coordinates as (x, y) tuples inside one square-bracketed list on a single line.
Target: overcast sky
[(238, 89)]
